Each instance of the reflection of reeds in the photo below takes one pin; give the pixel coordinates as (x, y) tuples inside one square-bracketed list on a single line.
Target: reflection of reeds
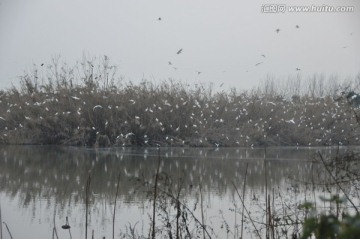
[(155, 195), (242, 213), (87, 189), (54, 228), (266, 201), (1, 235), (202, 209), (117, 192), (178, 208)]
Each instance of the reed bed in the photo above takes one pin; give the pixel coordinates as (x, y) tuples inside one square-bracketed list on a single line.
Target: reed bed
[(86, 105)]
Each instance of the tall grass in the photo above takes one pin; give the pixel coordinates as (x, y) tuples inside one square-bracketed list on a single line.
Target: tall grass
[(86, 105)]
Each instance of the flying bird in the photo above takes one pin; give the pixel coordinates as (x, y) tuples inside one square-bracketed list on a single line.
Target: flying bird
[(179, 51), (298, 69), (42, 64), (263, 55), (258, 63), (170, 63), (199, 72), (297, 26), (159, 19), (277, 30)]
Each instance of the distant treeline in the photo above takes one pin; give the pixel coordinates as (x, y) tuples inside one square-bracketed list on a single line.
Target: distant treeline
[(86, 105)]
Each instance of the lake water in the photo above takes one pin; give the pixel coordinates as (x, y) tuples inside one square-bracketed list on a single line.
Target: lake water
[(40, 185)]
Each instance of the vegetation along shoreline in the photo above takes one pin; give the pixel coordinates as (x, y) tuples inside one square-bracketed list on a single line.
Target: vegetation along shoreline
[(94, 109)]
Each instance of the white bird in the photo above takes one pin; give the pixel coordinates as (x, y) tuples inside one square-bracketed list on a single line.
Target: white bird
[(97, 106), (290, 121)]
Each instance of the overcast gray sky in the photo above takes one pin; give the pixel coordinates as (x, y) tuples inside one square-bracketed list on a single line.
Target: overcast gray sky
[(222, 39)]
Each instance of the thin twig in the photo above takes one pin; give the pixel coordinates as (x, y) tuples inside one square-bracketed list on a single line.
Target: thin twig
[(247, 212), (8, 230), (332, 176), (188, 210)]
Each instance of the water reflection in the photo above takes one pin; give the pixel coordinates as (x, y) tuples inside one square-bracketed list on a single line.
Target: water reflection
[(50, 181)]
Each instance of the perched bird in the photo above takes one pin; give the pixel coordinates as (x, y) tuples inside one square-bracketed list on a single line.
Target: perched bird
[(179, 51), (277, 30), (97, 106)]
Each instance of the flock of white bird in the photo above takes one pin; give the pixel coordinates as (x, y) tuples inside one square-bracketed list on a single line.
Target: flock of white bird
[(180, 120)]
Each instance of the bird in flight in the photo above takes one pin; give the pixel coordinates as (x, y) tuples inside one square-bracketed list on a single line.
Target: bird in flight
[(179, 51), (263, 55), (199, 72), (298, 69), (297, 26), (159, 19), (170, 63), (258, 63), (277, 30), (42, 64)]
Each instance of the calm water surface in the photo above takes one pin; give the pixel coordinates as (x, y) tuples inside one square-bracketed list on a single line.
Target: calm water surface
[(43, 184)]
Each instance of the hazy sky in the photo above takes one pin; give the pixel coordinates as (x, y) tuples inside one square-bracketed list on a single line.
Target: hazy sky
[(222, 39)]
